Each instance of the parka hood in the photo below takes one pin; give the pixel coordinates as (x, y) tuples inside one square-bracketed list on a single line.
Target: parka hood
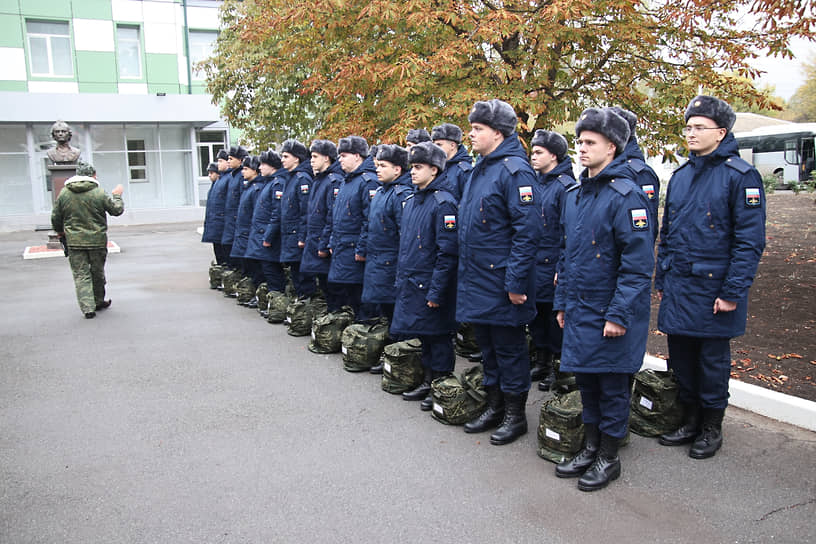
[(81, 184)]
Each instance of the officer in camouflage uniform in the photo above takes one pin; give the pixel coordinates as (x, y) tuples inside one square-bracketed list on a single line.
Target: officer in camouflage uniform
[(79, 216)]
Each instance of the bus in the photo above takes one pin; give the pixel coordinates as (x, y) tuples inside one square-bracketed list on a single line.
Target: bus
[(785, 151)]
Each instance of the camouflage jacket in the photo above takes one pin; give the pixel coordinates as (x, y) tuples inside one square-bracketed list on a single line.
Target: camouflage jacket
[(80, 213)]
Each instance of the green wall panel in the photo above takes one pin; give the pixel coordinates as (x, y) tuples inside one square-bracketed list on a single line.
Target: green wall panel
[(10, 6), (51, 9), (166, 88), (21, 86), (11, 31), (92, 9), (161, 69), (96, 67), (98, 88)]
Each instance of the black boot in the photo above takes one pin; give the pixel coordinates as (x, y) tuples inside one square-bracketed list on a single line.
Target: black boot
[(514, 424), (606, 467), (548, 379), (427, 402), (583, 460), (252, 303), (688, 431), (492, 416), (421, 391), (710, 438), (378, 368), (541, 359)]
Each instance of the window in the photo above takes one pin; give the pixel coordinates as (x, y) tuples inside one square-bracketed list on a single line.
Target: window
[(209, 143), (49, 48), (201, 48), (129, 52), (137, 161), (791, 153)]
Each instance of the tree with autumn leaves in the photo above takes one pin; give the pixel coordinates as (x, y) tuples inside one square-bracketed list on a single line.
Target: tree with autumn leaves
[(331, 68)]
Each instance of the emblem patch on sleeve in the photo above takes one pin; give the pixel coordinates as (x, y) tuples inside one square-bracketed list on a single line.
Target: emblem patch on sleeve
[(336, 190), (640, 219), (450, 222), (526, 194), (278, 195), (304, 189), (752, 197), (371, 193), (649, 190)]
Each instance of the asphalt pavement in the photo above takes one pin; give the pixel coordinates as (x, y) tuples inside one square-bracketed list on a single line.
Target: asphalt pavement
[(177, 416)]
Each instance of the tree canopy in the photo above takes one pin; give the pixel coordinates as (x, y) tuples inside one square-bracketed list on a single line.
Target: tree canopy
[(331, 68), (803, 101)]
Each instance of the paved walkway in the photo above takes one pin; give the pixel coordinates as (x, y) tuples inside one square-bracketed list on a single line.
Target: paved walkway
[(177, 416)]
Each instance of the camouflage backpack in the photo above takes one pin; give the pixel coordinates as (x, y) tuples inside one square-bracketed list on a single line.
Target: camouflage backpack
[(459, 399), (230, 279), (245, 290), (300, 313), (262, 292), (402, 366), (327, 330), (276, 306), (216, 270), (560, 428), (655, 409), (466, 345), (363, 344)]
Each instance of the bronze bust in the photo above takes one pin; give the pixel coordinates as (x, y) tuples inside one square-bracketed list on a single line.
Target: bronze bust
[(64, 152)]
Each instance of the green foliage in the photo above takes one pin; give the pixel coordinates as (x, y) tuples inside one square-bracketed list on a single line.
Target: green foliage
[(803, 101), (377, 68), (770, 181)]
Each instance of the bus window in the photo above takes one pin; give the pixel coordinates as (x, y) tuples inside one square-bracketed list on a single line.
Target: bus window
[(791, 153), (808, 154)]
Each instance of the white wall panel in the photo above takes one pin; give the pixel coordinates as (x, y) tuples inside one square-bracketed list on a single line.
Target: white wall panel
[(14, 64), (93, 35)]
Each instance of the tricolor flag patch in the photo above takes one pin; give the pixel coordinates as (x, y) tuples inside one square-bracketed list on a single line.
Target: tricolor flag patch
[(649, 190), (371, 193), (304, 189), (450, 222), (336, 190), (640, 220), (278, 195), (526, 194), (752, 197)]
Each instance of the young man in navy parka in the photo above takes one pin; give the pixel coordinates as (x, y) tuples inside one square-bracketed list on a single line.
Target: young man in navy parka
[(426, 273)]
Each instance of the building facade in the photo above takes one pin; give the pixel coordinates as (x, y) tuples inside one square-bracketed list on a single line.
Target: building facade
[(123, 74)]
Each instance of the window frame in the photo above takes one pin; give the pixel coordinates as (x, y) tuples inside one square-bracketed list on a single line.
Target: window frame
[(140, 52), (199, 75), (49, 49)]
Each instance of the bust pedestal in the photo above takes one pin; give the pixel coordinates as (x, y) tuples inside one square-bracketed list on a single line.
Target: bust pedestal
[(58, 174)]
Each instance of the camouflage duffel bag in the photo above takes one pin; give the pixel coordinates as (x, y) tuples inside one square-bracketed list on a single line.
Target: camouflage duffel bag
[(245, 290), (459, 399), (229, 279), (402, 366), (655, 409), (363, 343), (300, 313), (216, 271), (276, 306), (262, 293), (466, 345), (327, 330), (560, 428)]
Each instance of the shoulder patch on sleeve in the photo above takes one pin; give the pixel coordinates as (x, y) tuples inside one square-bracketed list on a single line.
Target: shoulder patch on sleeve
[(621, 186), (372, 192), (649, 189), (639, 218), (739, 164), (304, 188), (449, 220), (753, 197), (525, 194)]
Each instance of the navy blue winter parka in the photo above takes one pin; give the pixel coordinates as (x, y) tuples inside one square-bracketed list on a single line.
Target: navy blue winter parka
[(294, 212), (499, 228), (320, 207), (349, 224), (646, 178), (235, 185), (384, 217), (456, 173), (551, 187), (711, 240), (604, 273), (267, 207), (426, 271), (214, 214), (246, 209)]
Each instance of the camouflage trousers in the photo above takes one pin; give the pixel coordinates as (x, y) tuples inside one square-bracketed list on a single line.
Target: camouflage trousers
[(88, 268)]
